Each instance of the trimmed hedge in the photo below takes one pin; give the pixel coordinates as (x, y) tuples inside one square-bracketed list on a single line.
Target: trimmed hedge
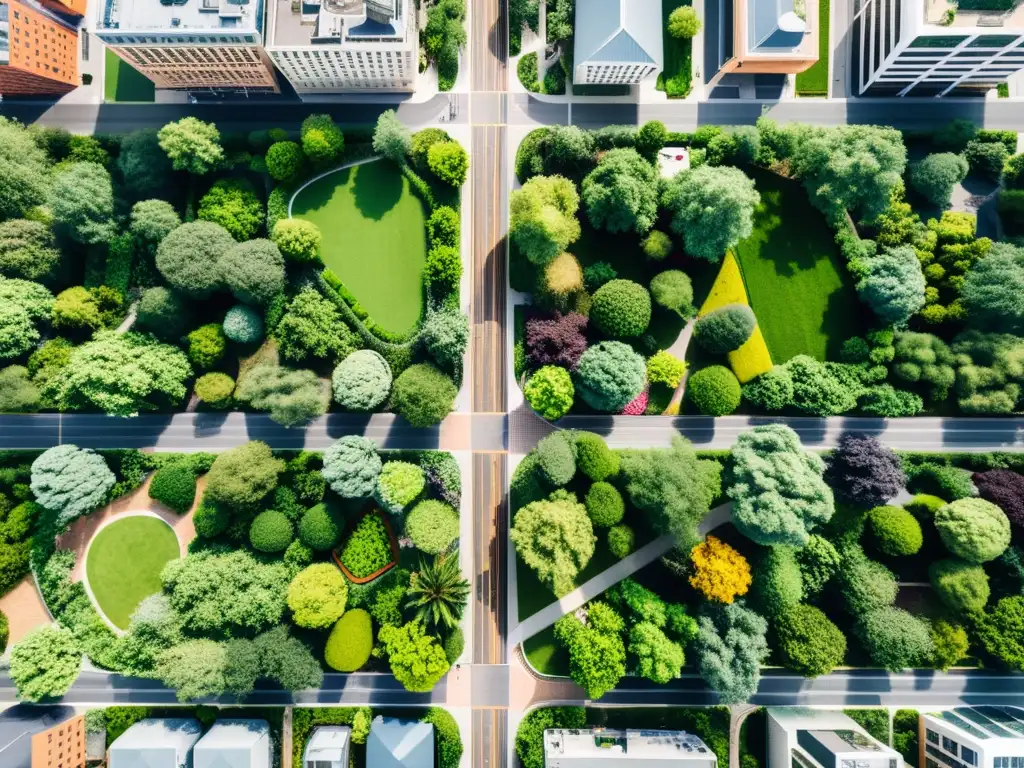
[(270, 532), (350, 642), (319, 528), (368, 549), (714, 391), (433, 526), (174, 486)]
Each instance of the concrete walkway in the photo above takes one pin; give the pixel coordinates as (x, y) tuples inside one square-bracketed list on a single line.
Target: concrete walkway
[(609, 577), (678, 349)]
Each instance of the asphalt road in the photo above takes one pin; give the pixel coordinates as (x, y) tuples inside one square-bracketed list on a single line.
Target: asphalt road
[(102, 688), (854, 688)]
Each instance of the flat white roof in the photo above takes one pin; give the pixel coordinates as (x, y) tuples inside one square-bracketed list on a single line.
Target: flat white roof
[(565, 748), (179, 15)]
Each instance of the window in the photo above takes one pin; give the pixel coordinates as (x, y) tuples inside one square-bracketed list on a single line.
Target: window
[(950, 746), (969, 755), (932, 736)]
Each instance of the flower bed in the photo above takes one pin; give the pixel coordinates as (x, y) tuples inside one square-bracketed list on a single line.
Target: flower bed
[(370, 550)]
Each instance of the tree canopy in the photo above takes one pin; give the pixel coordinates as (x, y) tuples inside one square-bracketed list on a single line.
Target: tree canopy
[(993, 292), (730, 649), (82, 200), (892, 284), (556, 538), (192, 145), (621, 194), (712, 209), (70, 481), (543, 218)]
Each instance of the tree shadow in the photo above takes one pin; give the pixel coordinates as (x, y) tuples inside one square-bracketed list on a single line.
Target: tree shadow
[(376, 188)]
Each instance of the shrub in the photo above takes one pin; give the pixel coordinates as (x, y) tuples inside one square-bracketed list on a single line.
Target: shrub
[(233, 204), (673, 291), (683, 23), (924, 506), (243, 325), (896, 531), (665, 368), (443, 267), (942, 481), (317, 596), (271, 531), (556, 458), (714, 391), (162, 313), (558, 340), (864, 472), (5, 632), (175, 486), (621, 540), (951, 644), (865, 584), (720, 573), (454, 645), (320, 528), (1002, 632), (657, 245), (351, 466), (550, 392), (771, 391), (362, 381), (621, 309), (725, 329), (986, 158), (189, 257), (70, 481), (298, 240), (28, 251), (974, 530), (609, 375), (1005, 489), (433, 526), (368, 549), (449, 162), (895, 639), (809, 642), (211, 519), (253, 271), (206, 345), (45, 663), (322, 140), (961, 585), (350, 642), (423, 395), (214, 390), (778, 582), (555, 537), (284, 160), (398, 485), (605, 505), (935, 176), (594, 458), (443, 226)]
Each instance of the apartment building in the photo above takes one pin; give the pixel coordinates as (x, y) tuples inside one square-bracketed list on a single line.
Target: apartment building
[(62, 746), (194, 44), (39, 46), (610, 748), (932, 48), (617, 42), (342, 45), (973, 737), (801, 737)]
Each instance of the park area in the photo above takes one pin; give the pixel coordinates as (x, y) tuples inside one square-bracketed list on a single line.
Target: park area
[(122, 83), (373, 227), (124, 562)]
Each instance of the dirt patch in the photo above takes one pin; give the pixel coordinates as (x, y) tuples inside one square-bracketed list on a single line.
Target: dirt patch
[(24, 609), (83, 529)]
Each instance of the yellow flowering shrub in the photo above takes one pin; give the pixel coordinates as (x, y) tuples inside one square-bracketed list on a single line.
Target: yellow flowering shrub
[(752, 358), (720, 573)]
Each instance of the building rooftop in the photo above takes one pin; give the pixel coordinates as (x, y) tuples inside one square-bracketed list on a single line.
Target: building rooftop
[(619, 31), (336, 22), (984, 723), (612, 748), (182, 15), (775, 25), (20, 722), (328, 743), (935, 12), (395, 743), (232, 744), (155, 743)]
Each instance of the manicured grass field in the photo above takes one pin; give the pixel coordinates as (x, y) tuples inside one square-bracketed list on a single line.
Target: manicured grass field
[(814, 81), (677, 76), (124, 563), (799, 288), (374, 238), (123, 83)]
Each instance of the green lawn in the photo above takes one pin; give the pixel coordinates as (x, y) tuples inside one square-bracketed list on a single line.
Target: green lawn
[(374, 231), (814, 81), (677, 76), (799, 288), (124, 563), (121, 82)]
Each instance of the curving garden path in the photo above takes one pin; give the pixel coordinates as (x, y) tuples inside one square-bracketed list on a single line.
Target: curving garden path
[(83, 530), (678, 349)]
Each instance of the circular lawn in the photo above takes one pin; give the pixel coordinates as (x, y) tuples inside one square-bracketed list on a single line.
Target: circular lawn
[(374, 230), (124, 561)]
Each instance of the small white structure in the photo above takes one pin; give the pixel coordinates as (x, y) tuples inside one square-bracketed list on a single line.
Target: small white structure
[(979, 737), (327, 747), (801, 737), (617, 42), (672, 160), (156, 743), (610, 748), (234, 744), (395, 743)]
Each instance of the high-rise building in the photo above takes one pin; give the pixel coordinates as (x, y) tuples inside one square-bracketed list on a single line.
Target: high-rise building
[(340, 45), (973, 737), (932, 48), (39, 46), (193, 44)]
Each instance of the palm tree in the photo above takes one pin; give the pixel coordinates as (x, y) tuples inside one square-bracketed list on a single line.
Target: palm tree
[(439, 593)]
